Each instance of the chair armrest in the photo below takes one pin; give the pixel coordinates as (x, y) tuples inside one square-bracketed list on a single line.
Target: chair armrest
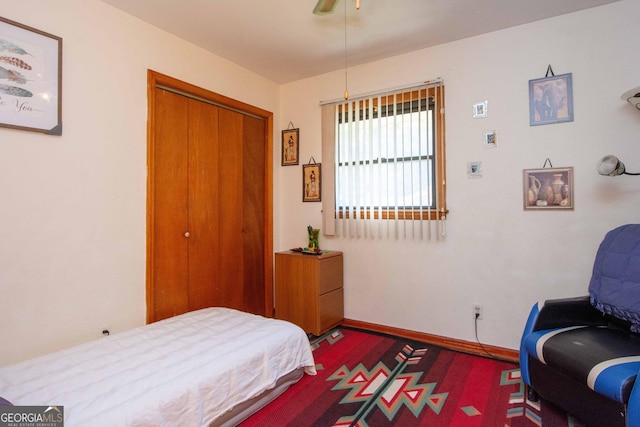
[(557, 313), (566, 312)]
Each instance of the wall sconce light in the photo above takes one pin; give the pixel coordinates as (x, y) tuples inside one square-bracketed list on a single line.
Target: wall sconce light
[(632, 97), (612, 166)]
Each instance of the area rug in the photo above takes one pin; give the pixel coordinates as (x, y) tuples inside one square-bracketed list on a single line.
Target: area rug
[(366, 379)]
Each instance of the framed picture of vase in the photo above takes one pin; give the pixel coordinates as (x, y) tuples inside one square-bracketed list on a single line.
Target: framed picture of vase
[(548, 189)]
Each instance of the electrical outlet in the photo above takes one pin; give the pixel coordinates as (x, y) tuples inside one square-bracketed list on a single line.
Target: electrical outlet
[(477, 311)]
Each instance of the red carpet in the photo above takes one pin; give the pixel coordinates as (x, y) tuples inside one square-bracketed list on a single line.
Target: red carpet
[(374, 380)]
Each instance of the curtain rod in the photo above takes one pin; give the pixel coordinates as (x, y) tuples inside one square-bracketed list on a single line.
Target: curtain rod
[(435, 81)]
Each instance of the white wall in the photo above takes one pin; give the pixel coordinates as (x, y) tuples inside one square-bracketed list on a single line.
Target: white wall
[(73, 208), (494, 253)]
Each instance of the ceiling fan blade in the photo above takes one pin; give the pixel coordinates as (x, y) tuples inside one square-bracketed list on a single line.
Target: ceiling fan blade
[(325, 7)]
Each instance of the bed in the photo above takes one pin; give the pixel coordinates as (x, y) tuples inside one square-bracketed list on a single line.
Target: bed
[(213, 366)]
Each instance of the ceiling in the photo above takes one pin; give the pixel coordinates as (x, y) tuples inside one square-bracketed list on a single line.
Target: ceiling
[(284, 41)]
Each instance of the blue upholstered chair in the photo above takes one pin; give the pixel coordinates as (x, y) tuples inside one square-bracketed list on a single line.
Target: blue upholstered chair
[(583, 354)]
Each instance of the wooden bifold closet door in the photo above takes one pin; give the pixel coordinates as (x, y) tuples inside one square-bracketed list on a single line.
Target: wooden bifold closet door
[(209, 222)]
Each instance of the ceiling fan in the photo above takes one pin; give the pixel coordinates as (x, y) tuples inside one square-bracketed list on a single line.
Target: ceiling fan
[(325, 7)]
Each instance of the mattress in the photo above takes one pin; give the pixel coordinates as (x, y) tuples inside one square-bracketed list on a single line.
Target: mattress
[(186, 370)]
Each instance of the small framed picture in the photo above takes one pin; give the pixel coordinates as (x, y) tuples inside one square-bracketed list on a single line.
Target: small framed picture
[(551, 100), (490, 139), (548, 189), (290, 146), (480, 109), (474, 170), (311, 182)]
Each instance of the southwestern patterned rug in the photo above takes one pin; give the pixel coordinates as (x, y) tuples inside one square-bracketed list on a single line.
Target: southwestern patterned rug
[(373, 380)]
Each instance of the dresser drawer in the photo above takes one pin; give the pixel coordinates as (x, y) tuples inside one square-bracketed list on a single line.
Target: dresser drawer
[(331, 310), (330, 274)]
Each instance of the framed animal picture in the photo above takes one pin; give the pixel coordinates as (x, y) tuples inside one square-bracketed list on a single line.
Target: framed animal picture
[(551, 100)]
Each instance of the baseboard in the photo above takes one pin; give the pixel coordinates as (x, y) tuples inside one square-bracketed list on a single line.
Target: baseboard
[(450, 343)]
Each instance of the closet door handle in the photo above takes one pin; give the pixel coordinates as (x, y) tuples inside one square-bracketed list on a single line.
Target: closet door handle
[(186, 234)]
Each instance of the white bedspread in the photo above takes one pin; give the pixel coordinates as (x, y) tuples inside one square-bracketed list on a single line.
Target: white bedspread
[(183, 371)]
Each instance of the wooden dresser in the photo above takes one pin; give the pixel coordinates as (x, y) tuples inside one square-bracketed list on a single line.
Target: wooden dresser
[(309, 290)]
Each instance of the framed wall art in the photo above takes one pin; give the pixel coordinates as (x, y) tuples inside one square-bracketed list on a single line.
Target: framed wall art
[(551, 100), (290, 146), (490, 139), (474, 170), (311, 182), (30, 79), (548, 188), (480, 110)]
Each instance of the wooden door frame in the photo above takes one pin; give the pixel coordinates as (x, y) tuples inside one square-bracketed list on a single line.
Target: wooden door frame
[(154, 80)]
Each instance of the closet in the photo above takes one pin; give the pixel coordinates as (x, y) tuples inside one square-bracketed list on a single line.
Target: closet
[(209, 222)]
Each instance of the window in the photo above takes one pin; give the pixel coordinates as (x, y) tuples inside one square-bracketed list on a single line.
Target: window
[(388, 157)]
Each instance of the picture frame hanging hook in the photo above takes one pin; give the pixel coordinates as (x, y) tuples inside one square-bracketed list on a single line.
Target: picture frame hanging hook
[(550, 72)]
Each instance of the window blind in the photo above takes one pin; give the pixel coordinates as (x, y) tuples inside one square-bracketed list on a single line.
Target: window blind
[(386, 153)]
